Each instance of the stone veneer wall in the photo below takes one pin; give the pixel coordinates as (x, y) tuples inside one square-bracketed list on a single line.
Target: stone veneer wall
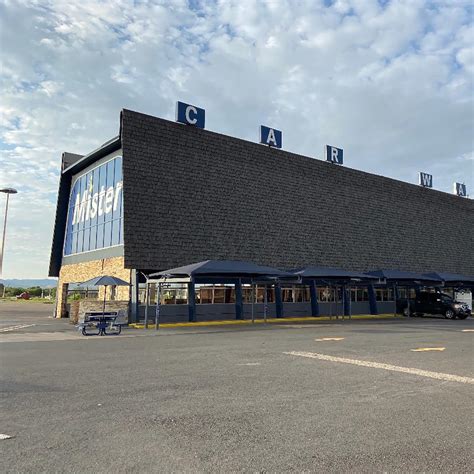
[(79, 272), (74, 311)]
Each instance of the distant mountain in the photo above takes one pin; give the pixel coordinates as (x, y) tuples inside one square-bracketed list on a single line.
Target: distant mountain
[(28, 283)]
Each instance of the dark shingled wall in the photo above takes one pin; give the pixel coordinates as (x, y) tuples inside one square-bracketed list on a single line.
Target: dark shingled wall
[(191, 195)]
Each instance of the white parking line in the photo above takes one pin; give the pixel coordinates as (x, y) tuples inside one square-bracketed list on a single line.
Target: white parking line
[(378, 365), (429, 349), (14, 328), (40, 337), (60, 336), (330, 339)]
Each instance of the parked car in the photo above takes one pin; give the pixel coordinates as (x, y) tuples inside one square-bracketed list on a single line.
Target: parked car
[(23, 296), (434, 303)]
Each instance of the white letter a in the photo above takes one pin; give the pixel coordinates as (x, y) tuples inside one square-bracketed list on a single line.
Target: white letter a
[(271, 137)]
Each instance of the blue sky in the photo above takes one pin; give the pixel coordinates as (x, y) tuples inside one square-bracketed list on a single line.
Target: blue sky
[(390, 82)]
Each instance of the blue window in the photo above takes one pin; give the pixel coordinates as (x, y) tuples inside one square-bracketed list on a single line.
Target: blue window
[(107, 234), (116, 231), (110, 172), (82, 189), (117, 205), (93, 241), (94, 200), (80, 241), (100, 236), (101, 194), (74, 242), (87, 236)]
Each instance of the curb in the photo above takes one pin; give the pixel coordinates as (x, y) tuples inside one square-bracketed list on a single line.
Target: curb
[(239, 322)]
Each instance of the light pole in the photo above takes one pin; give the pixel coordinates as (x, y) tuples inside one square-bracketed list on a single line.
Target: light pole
[(7, 191)]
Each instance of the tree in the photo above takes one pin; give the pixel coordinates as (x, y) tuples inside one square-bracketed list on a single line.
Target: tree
[(34, 291), (13, 291)]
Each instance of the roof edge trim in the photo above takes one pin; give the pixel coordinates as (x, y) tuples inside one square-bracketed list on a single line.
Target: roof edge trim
[(108, 147)]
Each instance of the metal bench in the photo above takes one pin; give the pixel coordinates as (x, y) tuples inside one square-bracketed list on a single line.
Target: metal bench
[(97, 323)]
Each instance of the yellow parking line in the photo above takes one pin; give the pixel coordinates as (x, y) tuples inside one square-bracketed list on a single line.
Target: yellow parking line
[(468, 330), (429, 349), (234, 322)]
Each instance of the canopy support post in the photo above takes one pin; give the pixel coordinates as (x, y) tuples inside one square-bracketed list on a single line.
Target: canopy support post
[(314, 298), (348, 296), (103, 306), (253, 301), (157, 312), (278, 301), (395, 298), (238, 300), (331, 298), (147, 303), (350, 301), (134, 303), (372, 300), (192, 302), (265, 305), (407, 289), (346, 300)]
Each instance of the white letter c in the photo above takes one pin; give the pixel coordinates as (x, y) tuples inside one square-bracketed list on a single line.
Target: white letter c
[(191, 121)]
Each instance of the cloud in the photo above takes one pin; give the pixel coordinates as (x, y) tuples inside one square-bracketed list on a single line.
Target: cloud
[(389, 81)]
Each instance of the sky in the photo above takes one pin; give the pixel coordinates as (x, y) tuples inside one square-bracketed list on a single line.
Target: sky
[(390, 82)]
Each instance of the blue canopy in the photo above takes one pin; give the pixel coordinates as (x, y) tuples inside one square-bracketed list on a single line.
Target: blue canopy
[(223, 268), (332, 274), (400, 276), (452, 279)]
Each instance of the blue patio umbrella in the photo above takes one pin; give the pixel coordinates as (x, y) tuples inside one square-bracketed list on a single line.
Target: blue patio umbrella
[(105, 281)]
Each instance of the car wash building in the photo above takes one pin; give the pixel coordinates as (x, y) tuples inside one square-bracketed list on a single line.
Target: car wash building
[(165, 194)]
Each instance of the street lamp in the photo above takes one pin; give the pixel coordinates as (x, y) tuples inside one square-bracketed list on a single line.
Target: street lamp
[(7, 191)]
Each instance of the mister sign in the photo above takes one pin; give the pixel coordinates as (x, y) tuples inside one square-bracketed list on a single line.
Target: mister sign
[(95, 209)]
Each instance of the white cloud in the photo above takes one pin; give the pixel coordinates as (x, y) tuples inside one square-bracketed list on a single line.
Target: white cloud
[(391, 82)]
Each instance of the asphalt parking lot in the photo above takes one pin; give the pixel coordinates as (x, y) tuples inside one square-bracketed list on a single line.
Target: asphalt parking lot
[(336, 397)]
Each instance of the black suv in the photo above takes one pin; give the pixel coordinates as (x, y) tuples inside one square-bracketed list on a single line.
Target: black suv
[(434, 303)]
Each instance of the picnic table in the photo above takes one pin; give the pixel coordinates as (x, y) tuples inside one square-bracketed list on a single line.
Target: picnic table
[(97, 323)]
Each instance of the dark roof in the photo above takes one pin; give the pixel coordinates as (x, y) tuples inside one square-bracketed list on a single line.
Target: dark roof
[(68, 159), (104, 149), (326, 273), (452, 278), (225, 268), (402, 276)]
